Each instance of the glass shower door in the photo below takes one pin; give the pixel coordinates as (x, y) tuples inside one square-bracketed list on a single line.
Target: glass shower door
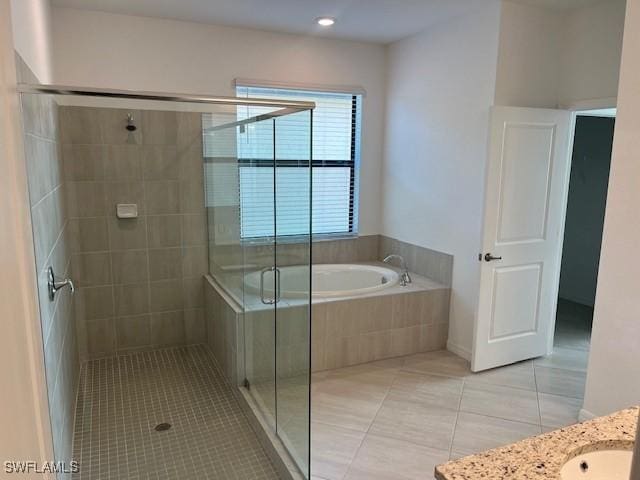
[(274, 164), (293, 262)]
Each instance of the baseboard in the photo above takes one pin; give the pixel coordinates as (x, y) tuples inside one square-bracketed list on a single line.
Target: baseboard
[(458, 350), (585, 415)]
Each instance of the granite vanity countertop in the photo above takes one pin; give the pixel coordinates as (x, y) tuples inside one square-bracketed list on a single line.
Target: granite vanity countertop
[(542, 457)]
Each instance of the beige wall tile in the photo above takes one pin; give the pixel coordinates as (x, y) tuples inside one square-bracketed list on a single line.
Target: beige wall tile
[(434, 337), (123, 163), (165, 263), (84, 162), (130, 266), (160, 163), (192, 196), (166, 295), (341, 351), (87, 199), (374, 346), (98, 302), (193, 292), (194, 261), (127, 233), (162, 197), (134, 331), (194, 326), (160, 128), (194, 230), (164, 231), (132, 299), (92, 269), (90, 234), (81, 125), (101, 337), (168, 328), (405, 341)]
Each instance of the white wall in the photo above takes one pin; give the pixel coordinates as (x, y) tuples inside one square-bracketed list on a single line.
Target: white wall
[(550, 58), (31, 20), (106, 50), (440, 88), (592, 46), (614, 361), (529, 60)]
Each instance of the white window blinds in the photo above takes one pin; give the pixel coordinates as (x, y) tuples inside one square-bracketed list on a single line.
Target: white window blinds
[(336, 146)]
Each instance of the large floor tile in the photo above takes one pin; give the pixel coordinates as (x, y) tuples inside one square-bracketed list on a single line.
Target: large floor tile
[(351, 397), (565, 358), (382, 458), (410, 419), (519, 375), (332, 450), (476, 433), (501, 402), (558, 381), (557, 411), (441, 362), (432, 390)]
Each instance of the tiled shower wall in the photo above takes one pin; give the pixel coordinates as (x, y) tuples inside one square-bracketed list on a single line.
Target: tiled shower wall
[(51, 235), (140, 280)]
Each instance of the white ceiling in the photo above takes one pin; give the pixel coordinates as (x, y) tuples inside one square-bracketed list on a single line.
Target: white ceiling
[(380, 21)]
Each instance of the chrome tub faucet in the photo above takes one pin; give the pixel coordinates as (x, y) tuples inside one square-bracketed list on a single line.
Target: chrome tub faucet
[(405, 278)]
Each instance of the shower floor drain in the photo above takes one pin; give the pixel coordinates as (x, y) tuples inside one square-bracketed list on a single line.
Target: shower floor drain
[(162, 427)]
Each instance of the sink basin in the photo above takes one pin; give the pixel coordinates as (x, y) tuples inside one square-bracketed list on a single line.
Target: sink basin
[(599, 465)]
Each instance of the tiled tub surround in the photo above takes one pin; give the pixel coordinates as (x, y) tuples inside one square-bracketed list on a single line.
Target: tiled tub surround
[(345, 330), (390, 323), (51, 235), (139, 280)]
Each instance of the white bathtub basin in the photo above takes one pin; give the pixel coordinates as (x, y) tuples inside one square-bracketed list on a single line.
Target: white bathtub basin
[(335, 280)]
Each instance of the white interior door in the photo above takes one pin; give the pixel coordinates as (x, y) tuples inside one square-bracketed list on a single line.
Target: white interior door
[(525, 203)]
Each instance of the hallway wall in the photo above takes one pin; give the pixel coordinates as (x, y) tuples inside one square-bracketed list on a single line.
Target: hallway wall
[(585, 209)]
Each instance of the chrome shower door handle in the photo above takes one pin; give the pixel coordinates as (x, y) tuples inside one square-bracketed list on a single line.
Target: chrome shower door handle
[(54, 285), (262, 299), (277, 273)]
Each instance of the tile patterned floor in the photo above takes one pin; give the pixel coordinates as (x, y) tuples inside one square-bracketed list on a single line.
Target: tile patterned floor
[(399, 418), (122, 399)]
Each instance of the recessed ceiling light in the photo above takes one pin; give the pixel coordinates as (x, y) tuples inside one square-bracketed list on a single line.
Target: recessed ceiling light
[(326, 21)]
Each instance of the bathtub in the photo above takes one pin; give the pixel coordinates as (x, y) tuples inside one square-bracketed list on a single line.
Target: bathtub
[(329, 281)]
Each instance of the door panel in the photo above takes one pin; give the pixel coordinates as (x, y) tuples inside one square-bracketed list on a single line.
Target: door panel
[(526, 168), (523, 223), (516, 301)]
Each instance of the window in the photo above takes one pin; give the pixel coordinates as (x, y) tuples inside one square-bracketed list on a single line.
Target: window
[(335, 159)]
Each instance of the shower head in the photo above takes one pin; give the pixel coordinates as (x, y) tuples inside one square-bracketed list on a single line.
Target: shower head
[(130, 123)]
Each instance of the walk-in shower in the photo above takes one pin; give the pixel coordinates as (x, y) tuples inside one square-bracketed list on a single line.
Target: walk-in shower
[(162, 210)]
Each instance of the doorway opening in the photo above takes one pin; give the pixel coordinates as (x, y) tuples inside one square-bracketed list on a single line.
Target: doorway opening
[(586, 203)]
